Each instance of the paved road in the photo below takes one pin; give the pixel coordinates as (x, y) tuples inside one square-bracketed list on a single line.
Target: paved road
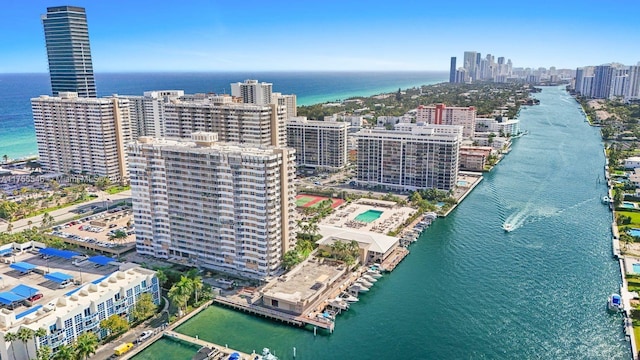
[(155, 324), (64, 214)]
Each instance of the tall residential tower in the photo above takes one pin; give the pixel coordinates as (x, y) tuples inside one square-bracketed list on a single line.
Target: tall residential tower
[(227, 207), (67, 39)]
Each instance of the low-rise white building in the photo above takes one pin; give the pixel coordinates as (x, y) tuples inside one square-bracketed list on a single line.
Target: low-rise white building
[(80, 310), (632, 162), (505, 126)]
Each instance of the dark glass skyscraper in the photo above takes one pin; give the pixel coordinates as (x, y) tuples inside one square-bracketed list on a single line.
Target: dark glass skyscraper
[(67, 38), (452, 70)]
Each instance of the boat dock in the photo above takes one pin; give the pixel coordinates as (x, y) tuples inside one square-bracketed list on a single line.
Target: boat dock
[(394, 258), (222, 352), (290, 319)]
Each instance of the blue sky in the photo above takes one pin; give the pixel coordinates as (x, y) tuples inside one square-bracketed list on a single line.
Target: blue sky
[(212, 35)]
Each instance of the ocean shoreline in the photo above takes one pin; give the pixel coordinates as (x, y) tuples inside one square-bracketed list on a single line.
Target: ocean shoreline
[(17, 133)]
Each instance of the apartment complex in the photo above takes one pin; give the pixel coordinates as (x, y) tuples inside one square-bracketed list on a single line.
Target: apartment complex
[(253, 92), (67, 39), (288, 101), (80, 310), (608, 81), (233, 122), (147, 111), (409, 158), (83, 135), (318, 144), (504, 126), (227, 207), (443, 115)]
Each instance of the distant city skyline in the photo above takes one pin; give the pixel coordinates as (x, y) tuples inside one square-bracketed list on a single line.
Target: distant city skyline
[(206, 35)]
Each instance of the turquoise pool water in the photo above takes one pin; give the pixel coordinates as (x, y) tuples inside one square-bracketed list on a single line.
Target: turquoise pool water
[(462, 183), (369, 216), (628, 205), (634, 232), (636, 268)]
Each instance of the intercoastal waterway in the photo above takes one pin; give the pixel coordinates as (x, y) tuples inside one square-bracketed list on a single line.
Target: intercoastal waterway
[(469, 289)]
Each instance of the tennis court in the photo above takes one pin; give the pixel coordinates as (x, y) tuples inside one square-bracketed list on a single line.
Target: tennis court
[(306, 200)]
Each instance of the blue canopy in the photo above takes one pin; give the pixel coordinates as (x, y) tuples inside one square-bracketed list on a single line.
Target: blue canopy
[(9, 298), (22, 266), (27, 312), (99, 280), (66, 254), (6, 251), (234, 356), (24, 291), (101, 260), (58, 277)]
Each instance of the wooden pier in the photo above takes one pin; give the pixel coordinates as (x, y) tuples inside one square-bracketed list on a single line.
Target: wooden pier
[(222, 351), (290, 319), (394, 258)]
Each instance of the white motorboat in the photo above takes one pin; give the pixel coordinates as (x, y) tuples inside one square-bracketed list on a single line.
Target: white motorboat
[(348, 297), (614, 302), (370, 279), (357, 287), (374, 274), (507, 227), (364, 282)]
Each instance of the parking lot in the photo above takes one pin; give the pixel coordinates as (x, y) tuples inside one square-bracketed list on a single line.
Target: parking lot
[(46, 265), (95, 231)]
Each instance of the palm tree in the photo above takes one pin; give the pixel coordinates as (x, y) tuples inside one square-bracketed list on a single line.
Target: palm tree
[(41, 332), (11, 337), (24, 335), (180, 292), (196, 283), (5, 158), (44, 353), (65, 352), (86, 344)]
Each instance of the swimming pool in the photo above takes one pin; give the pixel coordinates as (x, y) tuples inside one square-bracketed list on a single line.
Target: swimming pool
[(462, 183), (636, 268), (628, 205), (369, 216), (634, 232)]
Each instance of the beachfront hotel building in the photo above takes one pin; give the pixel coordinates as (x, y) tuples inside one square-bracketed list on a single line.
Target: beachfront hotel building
[(147, 111), (320, 145), (452, 115), (82, 135), (233, 122), (77, 311), (223, 206), (66, 36), (411, 157), (253, 92)]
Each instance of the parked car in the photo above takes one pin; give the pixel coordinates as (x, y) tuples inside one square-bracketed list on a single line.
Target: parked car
[(35, 297), (145, 335)]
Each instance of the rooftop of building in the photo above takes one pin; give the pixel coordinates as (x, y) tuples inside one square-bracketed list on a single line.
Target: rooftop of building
[(66, 285), (302, 120), (305, 281), (204, 142), (372, 241)]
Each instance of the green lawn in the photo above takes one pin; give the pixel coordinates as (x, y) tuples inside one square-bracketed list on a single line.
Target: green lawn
[(61, 206), (635, 217), (117, 189)]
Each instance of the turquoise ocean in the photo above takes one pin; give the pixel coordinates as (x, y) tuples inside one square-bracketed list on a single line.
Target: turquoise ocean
[(17, 135)]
